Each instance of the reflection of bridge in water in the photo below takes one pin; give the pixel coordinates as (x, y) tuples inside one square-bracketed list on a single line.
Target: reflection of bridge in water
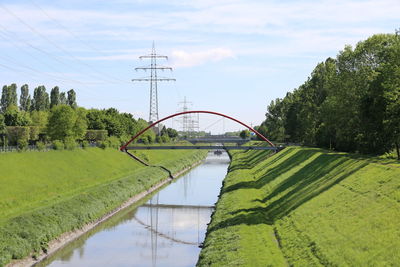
[(154, 223), (166, 236)]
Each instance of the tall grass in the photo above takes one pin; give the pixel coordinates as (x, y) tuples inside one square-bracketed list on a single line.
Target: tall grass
[(306, 207)]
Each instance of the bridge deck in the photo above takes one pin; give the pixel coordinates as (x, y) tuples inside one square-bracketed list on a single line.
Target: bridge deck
[(173, 206), (218, 140), (202, 147)]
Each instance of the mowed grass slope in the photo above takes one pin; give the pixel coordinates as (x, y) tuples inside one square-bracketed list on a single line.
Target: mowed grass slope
[(35, 179), (44, 194), (306, 207)]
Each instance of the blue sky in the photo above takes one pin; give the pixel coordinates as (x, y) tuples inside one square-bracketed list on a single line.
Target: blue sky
[(230, 56)]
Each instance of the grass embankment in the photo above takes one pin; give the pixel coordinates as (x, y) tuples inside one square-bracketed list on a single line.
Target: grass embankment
[(44, 194), (306, 207)]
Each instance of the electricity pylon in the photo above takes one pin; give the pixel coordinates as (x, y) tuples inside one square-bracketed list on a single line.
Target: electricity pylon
[(153, 79), (190, 123)]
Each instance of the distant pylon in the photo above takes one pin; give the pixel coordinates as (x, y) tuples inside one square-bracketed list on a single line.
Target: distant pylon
[(153, 79), (189, 123)]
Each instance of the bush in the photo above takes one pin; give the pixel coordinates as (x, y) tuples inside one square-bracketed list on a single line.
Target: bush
[(103, 145), (70, 143), (22, 144), (143, 140), (17, 134), (143, 157), (58, 145), (165, 138), (34, 132), (40, 146), (96, 135), (113, 142), (85, 144)]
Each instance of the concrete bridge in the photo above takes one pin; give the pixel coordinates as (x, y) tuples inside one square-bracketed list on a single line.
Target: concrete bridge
[(218, 139)]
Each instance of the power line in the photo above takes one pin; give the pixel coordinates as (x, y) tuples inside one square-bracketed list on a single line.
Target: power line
[(51, 76), (212, 124), (6, 34), (56, 78), (66, 29), (16, 70), (61, 81), (59, 47)]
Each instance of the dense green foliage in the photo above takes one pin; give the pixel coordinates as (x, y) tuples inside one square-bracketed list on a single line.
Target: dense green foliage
[(306, 207), (59, 191), (59, 118), (54, 97), (25, 98), (245, 134), (351, 103), (8, 96)]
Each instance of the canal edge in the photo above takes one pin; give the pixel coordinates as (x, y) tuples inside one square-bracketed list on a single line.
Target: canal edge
[(68, 237)]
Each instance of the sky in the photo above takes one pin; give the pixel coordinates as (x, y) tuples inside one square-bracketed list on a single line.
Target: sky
[(228, 56)]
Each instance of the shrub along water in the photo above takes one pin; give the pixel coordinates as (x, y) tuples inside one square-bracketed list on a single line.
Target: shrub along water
[(306, 207), (68, 189)]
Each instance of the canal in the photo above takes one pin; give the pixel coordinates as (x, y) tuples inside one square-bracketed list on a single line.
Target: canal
[(165, 229)]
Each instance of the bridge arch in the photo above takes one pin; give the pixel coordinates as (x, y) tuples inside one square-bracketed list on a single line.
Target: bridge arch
[(123, 148)]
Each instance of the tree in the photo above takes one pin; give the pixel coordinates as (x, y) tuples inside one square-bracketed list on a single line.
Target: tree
[(149, 135), (81, 125), (351, 103), (2, 130), (245, 134), (262, 130), (163, 131), (63, 99), (61, 123), (274, 120), (113, 123), (172, 133), (25, 98), (14, 117), (54, 97), (8, 97), (391, 83), (96, 119), (39, 118), (2, 124), (40, 99), (71, 100)]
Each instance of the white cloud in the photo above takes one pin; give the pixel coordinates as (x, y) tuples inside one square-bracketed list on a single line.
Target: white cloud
[(181, 58)]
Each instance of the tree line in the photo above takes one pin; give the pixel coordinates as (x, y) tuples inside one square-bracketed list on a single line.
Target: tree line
[(57, 120), (349, 103)]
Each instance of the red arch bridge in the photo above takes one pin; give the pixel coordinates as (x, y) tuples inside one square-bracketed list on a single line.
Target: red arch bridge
[(270, 145)]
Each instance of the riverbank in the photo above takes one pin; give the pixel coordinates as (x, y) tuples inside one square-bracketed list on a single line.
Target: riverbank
[(305, 207), (103, 180)]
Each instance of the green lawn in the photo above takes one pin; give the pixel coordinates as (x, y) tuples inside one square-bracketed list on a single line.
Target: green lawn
[(306, 207), (44, 194)]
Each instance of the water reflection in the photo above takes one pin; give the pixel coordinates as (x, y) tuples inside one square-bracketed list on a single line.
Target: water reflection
[(165, 231)]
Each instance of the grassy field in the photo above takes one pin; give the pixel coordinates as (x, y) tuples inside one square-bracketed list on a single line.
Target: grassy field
[(44, 194), (306, 207)]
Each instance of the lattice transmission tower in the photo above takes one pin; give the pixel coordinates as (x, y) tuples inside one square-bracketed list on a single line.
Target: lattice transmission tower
[(153, 79), (189, 122)]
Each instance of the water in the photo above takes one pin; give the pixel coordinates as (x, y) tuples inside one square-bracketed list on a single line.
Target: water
[(165, 230)]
